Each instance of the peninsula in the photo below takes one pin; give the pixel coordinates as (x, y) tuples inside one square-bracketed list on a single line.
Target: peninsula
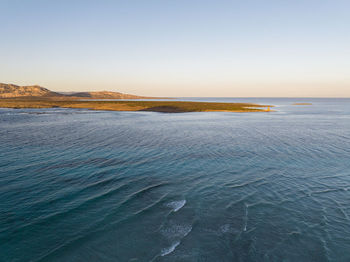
[(12, 96)]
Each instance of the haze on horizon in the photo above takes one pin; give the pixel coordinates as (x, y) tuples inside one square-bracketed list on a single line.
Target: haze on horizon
[(179, 48)]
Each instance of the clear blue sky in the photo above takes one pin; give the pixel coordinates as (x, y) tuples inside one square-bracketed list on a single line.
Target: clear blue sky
[(179, 47)]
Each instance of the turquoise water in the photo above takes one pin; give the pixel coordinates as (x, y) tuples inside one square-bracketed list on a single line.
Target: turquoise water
[(80, 185)]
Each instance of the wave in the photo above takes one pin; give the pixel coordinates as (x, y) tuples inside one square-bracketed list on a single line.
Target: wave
[(245, 217), (177, 231), (225, 228), (167, 251), (176, 205)]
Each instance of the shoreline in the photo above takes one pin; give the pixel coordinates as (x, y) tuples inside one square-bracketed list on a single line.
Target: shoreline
[(152, 106)]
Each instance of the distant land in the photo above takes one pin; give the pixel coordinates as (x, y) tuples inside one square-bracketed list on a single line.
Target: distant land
[(302, 104), (12, 91), (13, 96)]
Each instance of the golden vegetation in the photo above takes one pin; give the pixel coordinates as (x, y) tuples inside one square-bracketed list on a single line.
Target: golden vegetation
[(302, 104), (156, 106)]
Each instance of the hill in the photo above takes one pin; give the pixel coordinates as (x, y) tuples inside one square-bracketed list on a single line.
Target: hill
[(10, 90), (13, 91), (106, 95)]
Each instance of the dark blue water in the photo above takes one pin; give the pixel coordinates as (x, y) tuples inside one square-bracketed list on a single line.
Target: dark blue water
[(80, 185)]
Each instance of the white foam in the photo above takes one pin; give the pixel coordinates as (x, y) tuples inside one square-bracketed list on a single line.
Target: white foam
[(167, 251), (246, 217), (225, 228), (177, 231), (176, 205), (229, 229)]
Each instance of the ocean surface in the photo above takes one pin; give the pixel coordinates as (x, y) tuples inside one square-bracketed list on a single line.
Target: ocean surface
[(80, 185)]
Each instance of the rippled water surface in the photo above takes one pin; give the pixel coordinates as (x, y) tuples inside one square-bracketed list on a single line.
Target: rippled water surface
[(80, 185)]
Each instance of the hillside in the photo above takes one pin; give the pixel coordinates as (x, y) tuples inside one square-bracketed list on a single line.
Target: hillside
[(13, 91), (10, 90), (106, 95)]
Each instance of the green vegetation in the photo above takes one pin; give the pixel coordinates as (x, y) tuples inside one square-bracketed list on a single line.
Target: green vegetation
[(156, 106)]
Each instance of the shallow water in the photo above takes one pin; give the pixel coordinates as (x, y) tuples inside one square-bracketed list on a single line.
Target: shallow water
[(80, 185)]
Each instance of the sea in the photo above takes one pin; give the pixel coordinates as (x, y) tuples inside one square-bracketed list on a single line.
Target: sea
[(83, 185)]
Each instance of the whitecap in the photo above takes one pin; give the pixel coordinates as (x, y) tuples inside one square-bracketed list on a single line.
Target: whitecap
[(176, 231), (225, 228), (246, 217), (176, 205), (167, 251)]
